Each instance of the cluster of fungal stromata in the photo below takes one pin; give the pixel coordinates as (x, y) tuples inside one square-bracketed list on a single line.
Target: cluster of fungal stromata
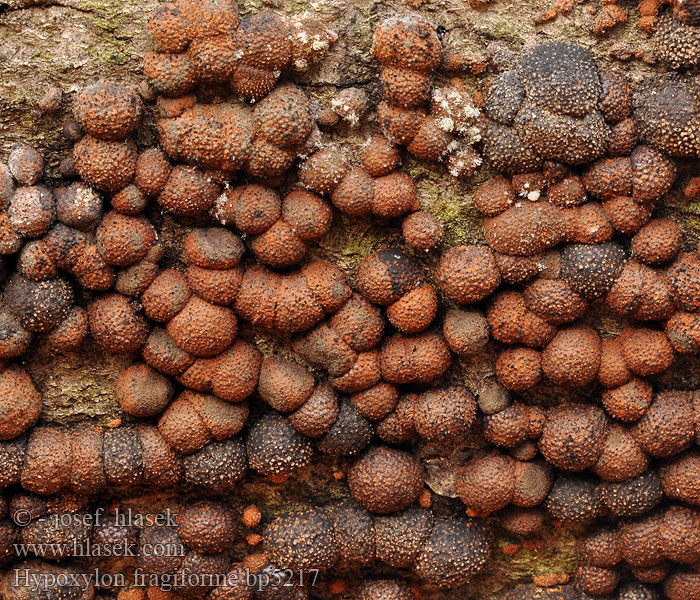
[(367, 376)]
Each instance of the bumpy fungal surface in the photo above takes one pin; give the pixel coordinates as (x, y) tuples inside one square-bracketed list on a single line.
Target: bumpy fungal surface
[(434, 123), (285, 303), (384, 480), (666, 113), (107, 110), (546, 108), (21, 403), (275, 448)]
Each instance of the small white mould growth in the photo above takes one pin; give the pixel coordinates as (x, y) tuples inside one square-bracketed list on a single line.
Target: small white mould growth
[(463, 162), (523, 192), (319, 43), (454, 111), (453, 146), (218, 208), (530, 194), (457, 168), (348, 114), (473, 133), (445, 123), (350, 104), (310, 41)]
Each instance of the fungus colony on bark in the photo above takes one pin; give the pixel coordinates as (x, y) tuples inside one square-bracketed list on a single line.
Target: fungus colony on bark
[(575, 424)]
